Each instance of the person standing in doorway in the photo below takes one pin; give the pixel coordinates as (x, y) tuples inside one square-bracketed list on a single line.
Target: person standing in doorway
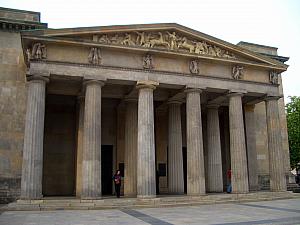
[(229, 187), (117, 181)]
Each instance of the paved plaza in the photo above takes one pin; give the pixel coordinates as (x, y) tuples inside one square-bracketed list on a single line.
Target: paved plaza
[(266, 212)]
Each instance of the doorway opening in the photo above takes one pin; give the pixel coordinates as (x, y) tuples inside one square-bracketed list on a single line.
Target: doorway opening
[(59, 146), (106, 169)]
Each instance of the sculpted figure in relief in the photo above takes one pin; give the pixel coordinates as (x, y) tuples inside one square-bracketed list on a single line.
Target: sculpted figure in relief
[(95, 56), (116, 39), (173, 40), (148, 62), (158, 41), (201, 47), (167, 40), (184, 44), (226, 54), (273, 77), (141, 38), (237, 72), (28, 55), (194, 67), (39, 51), (104, 39), (128, 40)]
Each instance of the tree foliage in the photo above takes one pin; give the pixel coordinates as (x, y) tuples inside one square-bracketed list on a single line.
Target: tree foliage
[(293, 124)]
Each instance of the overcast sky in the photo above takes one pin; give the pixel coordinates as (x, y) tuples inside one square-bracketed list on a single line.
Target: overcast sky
[(267, 22)]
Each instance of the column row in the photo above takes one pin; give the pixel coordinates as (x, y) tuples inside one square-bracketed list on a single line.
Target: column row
[(140, 169)]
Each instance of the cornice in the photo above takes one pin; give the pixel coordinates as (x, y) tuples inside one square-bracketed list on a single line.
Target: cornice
[(161, 27)]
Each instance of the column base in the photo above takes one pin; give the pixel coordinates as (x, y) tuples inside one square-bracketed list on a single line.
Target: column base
[(90, 198), (195, 195), (31, 198), (130, 195), (146, 196), (176, 193)]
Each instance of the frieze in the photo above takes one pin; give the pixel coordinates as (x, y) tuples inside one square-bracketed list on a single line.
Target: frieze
[(164, 40), (148, 62), (37, 51), (237, 72), (95, 56), (273, 77), (194, 67)]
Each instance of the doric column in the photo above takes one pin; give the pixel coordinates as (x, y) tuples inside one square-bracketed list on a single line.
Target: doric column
[(146, 149), (91, 160), (32, 167), (195, 157), (276, 160), (131, 127), (238, 153), (80, 124), (251, 146), (214, 158), (175, 160)]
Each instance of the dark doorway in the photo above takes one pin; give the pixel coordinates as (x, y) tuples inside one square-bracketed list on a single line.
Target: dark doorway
[(59, 146), (184, 155), (106, 169)]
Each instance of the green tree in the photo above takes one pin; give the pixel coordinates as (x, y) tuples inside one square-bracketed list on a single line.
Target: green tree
[(293, 124)]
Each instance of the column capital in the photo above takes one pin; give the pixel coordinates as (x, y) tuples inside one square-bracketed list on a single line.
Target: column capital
[(212, 106), (37, 78), (272, 97), (191, 90), (174, 102), (233, 93), (150, 84), (130, 99), (249, 107), (98, 82)]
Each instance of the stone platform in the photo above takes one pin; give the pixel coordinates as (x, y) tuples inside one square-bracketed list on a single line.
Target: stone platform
[(61, 203)]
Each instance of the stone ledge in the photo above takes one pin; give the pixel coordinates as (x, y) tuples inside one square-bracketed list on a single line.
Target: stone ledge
[(161, 202)]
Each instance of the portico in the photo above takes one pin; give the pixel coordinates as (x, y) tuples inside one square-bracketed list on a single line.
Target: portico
[(148, 96)]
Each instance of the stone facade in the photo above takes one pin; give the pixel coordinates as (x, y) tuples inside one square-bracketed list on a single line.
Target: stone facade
[(171, 107)]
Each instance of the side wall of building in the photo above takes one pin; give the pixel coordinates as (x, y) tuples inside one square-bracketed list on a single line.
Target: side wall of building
[(12, 114)]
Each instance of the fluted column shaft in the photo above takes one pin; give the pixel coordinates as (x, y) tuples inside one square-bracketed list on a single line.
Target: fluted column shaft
[(195, 157), (276, 162), (32, 167), (131, 126), (237, 145), (80, 102), (175, 160), (146, 182), (214, 158), (91, 163), (251, 147)]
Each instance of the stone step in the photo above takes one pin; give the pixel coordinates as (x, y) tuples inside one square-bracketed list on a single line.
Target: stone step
[(163, 201)]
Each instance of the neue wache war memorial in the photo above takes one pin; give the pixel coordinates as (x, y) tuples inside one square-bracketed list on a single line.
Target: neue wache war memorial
[(174, 109)]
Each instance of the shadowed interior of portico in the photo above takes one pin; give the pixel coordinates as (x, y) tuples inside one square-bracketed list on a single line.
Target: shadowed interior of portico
[(62, 170)]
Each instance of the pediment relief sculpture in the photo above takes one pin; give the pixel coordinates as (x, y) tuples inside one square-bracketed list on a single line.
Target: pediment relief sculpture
[(273, 77), (237, 72), (37, 51), (165, 40), (95, 56)]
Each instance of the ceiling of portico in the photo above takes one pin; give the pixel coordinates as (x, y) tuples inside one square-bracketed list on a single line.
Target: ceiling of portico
[(64, 85), (167, 39)]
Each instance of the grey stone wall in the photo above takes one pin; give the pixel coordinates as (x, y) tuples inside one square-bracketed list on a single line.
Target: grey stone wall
[(12, 111)]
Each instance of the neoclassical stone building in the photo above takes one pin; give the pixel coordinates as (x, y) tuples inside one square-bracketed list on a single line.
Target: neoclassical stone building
[(171, 107)]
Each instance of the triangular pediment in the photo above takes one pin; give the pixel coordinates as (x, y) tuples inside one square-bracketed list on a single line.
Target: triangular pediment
[(163, 38)]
